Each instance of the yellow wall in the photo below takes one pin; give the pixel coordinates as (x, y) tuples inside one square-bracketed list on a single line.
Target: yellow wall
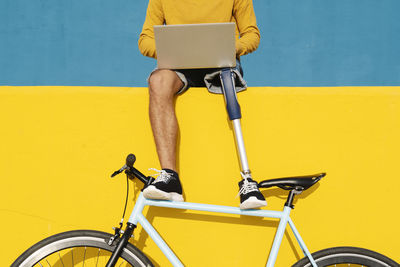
[(60, 144)]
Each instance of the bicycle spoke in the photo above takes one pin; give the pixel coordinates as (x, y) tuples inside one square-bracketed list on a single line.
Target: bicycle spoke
[(98, 254), (59, 256), (72, 255), (84, 257), (48, 263)]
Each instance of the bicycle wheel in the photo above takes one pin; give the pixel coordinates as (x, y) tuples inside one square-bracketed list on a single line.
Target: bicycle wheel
[(347, 256), (81, 247)]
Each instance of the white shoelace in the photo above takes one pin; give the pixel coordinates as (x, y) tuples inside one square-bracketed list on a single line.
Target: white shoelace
[(161, 175), (247, 186)]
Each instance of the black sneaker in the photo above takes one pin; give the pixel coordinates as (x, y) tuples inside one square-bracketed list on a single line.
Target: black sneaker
[(167, 186), (250, 196)]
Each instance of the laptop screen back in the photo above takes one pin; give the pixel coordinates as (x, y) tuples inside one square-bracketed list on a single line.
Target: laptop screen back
[(193, 46)]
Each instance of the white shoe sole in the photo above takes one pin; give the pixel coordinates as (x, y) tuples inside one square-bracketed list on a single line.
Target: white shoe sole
[(151, 192), (252, 203)]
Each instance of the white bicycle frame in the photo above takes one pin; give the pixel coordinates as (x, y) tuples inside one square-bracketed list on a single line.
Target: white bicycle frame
[(137, 217)]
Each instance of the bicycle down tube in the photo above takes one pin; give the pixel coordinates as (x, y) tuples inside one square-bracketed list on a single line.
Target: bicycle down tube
[(137, 217)]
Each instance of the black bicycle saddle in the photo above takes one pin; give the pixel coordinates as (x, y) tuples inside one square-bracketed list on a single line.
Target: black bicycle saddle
[(290, 183)]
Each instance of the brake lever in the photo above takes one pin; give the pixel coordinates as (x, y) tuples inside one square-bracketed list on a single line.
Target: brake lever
[(130, 160), (119, 171)]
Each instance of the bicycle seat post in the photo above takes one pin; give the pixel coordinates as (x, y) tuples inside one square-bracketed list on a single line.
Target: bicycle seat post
[(290, 199), (234, 113)]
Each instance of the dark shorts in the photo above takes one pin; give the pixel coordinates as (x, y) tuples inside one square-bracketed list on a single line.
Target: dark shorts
[(195, 77)]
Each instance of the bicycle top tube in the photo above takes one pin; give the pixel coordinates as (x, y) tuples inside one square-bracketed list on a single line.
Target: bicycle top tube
[(141, 202), (295, 185)]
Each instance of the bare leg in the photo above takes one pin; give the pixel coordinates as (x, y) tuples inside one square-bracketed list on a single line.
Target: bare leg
[(163, 86)]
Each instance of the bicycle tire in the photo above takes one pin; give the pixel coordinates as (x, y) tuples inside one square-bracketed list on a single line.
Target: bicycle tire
[(90, 239), (347, 255)]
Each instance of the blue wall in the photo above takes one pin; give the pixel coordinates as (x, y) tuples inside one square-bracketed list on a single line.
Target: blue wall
[(304, 43)]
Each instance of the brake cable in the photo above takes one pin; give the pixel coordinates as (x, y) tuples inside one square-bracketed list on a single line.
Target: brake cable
[(126, 201), (118, 230)]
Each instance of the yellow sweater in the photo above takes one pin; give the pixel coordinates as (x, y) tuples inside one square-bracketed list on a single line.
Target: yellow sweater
[(241, 12)]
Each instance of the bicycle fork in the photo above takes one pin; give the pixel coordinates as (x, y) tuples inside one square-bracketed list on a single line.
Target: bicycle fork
[(121, 244)]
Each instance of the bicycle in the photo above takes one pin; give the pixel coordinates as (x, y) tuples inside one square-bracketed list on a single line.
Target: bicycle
[(115, 250)]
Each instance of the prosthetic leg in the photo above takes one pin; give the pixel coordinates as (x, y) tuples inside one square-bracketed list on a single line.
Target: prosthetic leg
[(248, 188)]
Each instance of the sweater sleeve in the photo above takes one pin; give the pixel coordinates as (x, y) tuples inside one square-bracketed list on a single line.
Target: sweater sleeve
[(245, 17), (154, 16)]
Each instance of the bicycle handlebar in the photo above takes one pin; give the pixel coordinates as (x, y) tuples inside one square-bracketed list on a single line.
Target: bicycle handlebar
[(136, 173), (131, 171)]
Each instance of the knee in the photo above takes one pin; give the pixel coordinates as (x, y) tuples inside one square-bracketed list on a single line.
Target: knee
[(164, 84)]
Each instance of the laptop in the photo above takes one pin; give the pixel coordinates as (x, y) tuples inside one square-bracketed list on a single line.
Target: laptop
[(195, 46)]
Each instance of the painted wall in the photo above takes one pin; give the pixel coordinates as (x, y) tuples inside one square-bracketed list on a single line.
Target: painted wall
[(304, 43), (59, 145)]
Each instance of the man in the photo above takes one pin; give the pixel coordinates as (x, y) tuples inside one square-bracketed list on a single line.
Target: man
[(165, 85)]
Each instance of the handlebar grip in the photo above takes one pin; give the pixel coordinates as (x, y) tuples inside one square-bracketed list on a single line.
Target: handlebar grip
[(132, 171), (130, 160)]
